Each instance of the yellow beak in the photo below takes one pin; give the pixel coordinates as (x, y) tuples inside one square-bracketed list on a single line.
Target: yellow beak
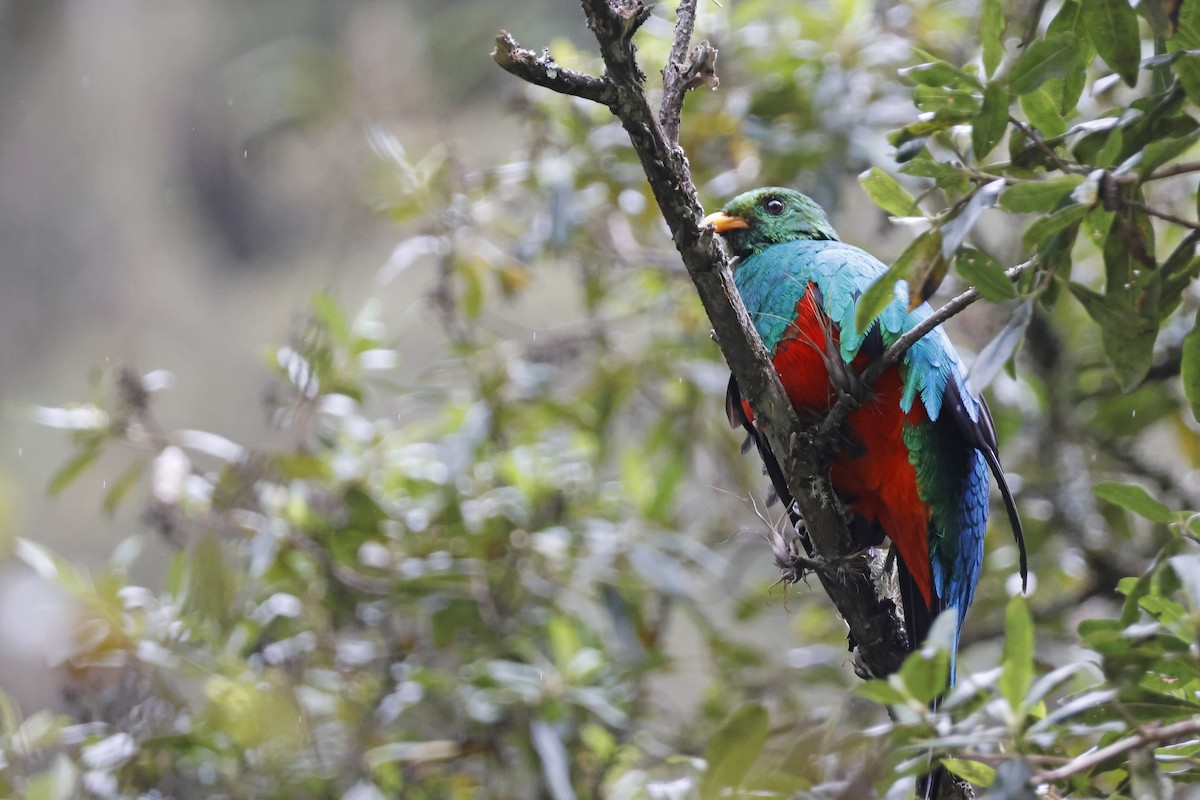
[(723, 222)]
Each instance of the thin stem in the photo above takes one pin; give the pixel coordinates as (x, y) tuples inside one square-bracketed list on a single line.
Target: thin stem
[(1164, 215), (1149, 734)]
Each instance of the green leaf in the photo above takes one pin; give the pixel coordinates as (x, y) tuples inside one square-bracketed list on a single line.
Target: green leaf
[(988, 128), (1190, 367), (1044, 228), (1036, 197), (733, 750), (1113, 28), (887, 193), (972, 771), (556, 762), (89, 451), (991, 36), (940, 73), (926, 672), (331, 316), (1134, 498), (119, 488), (881, 692), (954, 231), (1053, 57), (1017, 677), (925, 249), (1127, 335), (1042, 112), (1000, 349), (985, 274), (1187, 25)]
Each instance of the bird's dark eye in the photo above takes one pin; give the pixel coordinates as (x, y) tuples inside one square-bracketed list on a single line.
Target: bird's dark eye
[(774, 206)]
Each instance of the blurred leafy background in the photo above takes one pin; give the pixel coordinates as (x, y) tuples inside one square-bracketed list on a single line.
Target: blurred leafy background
[(396, 460)]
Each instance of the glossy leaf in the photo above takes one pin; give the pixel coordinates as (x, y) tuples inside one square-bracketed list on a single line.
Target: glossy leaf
[(1113, 28), (1134, 498), (1032, 197), (985, 274), (1053, 57), (887, 193)]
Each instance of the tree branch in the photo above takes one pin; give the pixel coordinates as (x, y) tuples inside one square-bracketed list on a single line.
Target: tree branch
[(544, 71), (1150, 733), (872, 620), (685, 71)]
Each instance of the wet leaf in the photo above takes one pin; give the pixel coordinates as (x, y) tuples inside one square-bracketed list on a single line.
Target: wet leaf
[(985, 274)]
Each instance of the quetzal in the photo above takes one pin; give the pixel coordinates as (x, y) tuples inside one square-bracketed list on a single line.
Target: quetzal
[(916, 452)]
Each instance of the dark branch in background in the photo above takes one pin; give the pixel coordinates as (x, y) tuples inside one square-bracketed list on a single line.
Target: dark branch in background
[(872, 620), (1149, 735)]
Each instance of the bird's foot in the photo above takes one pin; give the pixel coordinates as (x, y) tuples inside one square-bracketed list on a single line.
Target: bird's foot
[(790, 556)]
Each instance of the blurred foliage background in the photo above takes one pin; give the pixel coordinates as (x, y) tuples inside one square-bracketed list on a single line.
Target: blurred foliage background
[(402, 466)]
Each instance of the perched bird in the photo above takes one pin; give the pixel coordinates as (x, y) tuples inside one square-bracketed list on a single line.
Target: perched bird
[(916, 452)]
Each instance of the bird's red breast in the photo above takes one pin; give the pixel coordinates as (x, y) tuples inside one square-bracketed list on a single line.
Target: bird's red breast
[(873, 474)]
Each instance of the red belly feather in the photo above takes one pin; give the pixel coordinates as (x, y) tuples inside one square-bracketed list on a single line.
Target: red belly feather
[(878, 483)]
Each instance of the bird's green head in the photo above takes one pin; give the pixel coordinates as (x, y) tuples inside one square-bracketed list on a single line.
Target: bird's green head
[(760, 218)]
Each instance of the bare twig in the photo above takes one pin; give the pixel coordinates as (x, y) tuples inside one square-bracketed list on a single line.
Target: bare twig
[(685, 70), (1047, 150), (1172, 170), (837, 415), (1149, 734), (544, 71), (1154, 212)]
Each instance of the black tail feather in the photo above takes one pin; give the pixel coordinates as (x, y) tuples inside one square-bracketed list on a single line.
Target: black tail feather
[(737, 418)]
